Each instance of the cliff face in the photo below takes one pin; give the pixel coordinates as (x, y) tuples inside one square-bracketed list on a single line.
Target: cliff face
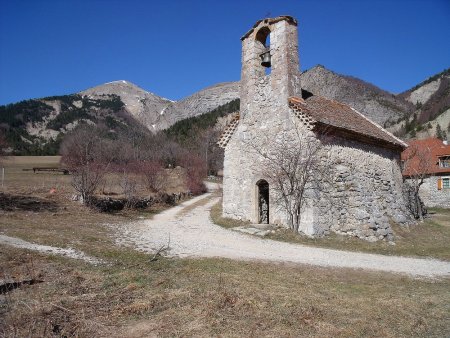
[(157, 113), (431, 116), (144, 106), (375, 103), (197, 104)]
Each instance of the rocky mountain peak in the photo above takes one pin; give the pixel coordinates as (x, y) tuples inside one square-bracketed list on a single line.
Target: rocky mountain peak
[(141, 104)]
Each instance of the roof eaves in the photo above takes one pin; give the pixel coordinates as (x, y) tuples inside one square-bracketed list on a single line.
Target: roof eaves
[(404, 144)]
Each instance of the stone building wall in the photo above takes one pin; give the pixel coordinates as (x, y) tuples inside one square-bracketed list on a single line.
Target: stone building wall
[(360, 197), (431, 196), (364, 192)]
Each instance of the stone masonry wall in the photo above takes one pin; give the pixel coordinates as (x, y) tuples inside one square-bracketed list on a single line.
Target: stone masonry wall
[(431, 196), (364, 192), (360, 197)]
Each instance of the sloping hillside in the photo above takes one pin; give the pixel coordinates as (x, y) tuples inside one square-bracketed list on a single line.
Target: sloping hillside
[(144, 106), (36, 127), (199, 103), (379, 105), (431, 99)]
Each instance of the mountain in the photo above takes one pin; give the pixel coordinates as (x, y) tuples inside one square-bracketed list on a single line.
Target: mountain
[(37, 126), (199, 103), (379, 105), (431, 100), (143, 106)]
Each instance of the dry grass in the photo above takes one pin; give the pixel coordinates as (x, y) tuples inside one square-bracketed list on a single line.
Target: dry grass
[(18, 180), (214, 297), (428, 239), (217, 218), (133, 297)]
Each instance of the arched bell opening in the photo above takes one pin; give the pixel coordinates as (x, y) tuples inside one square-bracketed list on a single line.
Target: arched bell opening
[(263, 42), (263, 201)]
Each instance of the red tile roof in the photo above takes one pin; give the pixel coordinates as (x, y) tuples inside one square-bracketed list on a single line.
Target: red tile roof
[(430, 150), (343, 117)]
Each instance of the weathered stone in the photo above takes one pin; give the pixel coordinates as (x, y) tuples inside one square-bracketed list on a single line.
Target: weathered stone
[(371, 239), (361, 214), (366, 178), (382, 232), (399, 218)]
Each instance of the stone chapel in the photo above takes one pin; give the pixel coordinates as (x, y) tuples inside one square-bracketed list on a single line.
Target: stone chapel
[(363, 159)]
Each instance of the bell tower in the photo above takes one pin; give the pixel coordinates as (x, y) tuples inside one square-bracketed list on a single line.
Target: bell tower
[(271, 43)]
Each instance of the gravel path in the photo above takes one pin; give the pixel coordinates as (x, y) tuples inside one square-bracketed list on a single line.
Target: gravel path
[(191, 233), (72, 253)]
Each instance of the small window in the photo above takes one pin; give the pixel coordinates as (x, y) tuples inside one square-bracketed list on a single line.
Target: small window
[(446, 183), (444, 162)]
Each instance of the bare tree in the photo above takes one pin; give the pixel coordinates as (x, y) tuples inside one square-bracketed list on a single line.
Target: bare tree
[(195, 172), (3, 145), (129, 183), (296, 168), (87, 155), (417, 165), (153, 174)]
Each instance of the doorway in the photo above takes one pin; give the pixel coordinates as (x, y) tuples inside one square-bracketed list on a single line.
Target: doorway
[(263, 202)]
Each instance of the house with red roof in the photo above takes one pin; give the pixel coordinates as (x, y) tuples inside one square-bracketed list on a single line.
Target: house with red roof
[(427, 162)]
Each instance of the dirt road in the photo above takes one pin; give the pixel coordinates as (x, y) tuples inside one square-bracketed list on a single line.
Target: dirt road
[(190, 233)]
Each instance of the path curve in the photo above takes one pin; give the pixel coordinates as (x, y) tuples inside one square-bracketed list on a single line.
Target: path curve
[(191, 233)]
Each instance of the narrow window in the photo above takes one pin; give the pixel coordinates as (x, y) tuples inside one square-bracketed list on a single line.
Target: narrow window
[(263, 37), (263, 201)]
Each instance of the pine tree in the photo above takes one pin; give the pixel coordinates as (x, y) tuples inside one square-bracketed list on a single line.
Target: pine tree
[(439, 132)]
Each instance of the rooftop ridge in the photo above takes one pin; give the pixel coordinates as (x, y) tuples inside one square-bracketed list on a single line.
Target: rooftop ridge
[(380, 127), (337, 114)]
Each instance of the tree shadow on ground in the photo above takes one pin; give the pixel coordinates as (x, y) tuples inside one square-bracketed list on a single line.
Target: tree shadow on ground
[(27, 203)]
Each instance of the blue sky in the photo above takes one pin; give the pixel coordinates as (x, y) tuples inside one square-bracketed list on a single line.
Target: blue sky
[(175, 48)]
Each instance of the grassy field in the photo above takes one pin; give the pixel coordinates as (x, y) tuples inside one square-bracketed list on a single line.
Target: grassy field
[(133, 297), (19, 178)]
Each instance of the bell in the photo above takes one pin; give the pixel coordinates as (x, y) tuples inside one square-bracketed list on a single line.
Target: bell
[(265, 59)]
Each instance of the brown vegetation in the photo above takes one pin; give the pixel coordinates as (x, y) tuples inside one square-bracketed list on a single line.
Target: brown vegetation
[(133, 297), (135, 159)]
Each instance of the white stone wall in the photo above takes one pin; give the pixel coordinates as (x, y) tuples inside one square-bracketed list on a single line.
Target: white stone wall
[(364, 190), (431, 196), (360, 196), (366, 194)]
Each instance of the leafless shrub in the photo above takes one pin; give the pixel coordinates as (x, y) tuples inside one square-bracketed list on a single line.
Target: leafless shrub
[(129, 185), (296, 173), (3, 145), (153, 174), (417, 165), (88, 156), (195, 173)]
